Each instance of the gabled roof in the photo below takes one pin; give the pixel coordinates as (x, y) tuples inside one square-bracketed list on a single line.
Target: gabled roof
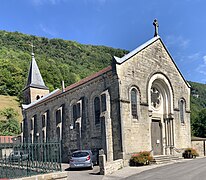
[(58, 92), (34, 77), (26, 106), (88, 78), (143, 46), (135, 51)]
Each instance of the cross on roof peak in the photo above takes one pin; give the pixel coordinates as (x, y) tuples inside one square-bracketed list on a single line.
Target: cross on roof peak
[(32, 48), (156, 25)]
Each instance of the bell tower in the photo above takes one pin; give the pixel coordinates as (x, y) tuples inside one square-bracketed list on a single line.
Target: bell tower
[(35, 87)]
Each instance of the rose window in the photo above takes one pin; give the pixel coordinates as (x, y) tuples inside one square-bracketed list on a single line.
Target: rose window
[(155, 97)]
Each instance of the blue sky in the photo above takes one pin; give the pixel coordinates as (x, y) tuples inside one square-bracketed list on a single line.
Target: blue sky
[(122, 24)]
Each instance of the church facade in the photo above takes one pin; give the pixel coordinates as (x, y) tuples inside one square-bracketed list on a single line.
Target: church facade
[(139, 103)]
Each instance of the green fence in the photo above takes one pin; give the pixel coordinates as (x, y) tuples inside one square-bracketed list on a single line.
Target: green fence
[(27, 159)]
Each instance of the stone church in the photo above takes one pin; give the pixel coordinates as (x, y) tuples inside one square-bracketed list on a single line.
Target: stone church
[(139, 103)]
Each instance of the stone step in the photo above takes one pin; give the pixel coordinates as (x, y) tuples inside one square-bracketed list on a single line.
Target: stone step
[(163, 159)]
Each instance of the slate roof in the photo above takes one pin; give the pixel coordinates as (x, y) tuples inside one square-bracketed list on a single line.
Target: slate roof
[(34, 78), (57, 92)]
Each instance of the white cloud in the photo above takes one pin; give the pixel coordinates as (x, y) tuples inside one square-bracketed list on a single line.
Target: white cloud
[(95, 1), (204, 59), (202, 67), (177, 41), (41, 2), (48, 31), (195, 56)]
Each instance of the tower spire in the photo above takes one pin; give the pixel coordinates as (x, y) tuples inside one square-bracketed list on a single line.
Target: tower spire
[(35, 87), (32, 48), (34, 78)]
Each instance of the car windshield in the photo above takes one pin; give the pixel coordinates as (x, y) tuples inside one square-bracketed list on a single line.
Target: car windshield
[(80, 154)]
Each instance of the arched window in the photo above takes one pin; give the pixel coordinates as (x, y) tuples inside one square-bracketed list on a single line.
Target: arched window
[(74, 115), (134, 103), (182, 103), (97, 110)]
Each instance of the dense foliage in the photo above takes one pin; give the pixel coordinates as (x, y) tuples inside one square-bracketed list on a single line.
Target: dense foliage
[(198, 109), (141, 158), (190, 153), (199, 124), (69, 61), (9, 125), (57, 59)]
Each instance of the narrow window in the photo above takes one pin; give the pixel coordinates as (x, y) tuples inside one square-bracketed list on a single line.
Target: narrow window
[(134, 103), (43, 120), (58, 116), (78, 110), (182, 111), (58, 134), (32, 124), (103, 102), (22, 126), (36, 131), (97, 110), (31, 138), (43, 136), (74, 115)]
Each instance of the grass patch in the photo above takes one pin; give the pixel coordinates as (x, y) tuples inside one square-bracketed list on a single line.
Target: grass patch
[(11, 102)]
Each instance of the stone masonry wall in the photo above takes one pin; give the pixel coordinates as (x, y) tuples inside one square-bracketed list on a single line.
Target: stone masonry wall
[(136, 72), (91, 133)]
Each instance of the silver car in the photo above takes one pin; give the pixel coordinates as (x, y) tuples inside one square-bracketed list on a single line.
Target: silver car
[(81, 159), (17, 156)]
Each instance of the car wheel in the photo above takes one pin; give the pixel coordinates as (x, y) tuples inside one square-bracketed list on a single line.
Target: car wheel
[(91, 167)]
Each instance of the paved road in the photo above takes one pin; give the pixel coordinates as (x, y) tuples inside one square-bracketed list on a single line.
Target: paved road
[(188, 170), (184, 170), (82, 174)]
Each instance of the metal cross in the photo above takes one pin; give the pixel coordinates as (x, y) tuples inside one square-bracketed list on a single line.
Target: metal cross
[(32, 47), (156, 25)]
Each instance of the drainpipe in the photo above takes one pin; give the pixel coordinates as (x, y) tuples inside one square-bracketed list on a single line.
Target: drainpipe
[(63, 87)]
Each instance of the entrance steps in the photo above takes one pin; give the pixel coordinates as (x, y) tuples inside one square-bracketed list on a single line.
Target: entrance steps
[(163, 159)]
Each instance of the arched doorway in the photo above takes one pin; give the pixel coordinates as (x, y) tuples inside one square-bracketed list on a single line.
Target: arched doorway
[(160, 99)]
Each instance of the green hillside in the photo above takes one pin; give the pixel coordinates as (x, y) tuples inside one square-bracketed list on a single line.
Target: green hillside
[(57, 59), (198, 107), (10, 102), (69, 61)]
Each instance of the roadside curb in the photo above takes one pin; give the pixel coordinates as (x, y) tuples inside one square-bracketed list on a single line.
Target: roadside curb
[(129, 171)]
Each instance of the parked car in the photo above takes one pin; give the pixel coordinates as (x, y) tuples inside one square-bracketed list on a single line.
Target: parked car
[(17, 156), (82, 159)]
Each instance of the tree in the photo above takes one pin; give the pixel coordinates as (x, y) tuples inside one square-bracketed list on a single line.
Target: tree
[(9, 125), (199, 125)]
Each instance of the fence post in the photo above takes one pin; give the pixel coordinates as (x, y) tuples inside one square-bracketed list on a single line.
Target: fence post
[(102, 162)]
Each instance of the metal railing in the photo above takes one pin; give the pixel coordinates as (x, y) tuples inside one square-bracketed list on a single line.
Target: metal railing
[(27, 159)]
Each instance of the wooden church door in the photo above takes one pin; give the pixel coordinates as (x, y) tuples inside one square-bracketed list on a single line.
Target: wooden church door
[(156, 135)]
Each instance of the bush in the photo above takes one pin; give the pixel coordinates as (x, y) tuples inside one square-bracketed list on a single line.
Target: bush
[(190, 153), (140, 159)]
